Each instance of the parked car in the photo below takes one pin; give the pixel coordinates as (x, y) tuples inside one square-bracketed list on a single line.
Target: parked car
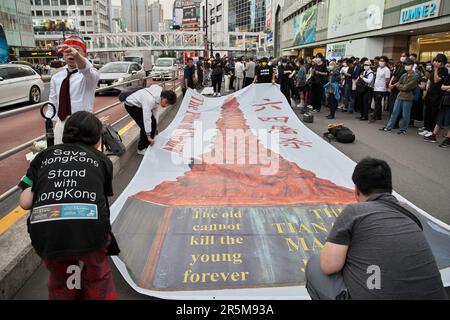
[(19, 83), (165, 68), (96, 63), (118, 72), (26, 63)]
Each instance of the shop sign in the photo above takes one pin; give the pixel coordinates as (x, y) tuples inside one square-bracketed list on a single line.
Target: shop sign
[(423, 11), (38, 54)]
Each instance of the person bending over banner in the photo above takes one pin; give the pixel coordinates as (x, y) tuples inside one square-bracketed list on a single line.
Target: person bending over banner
[(67, 188), (376, 248), (73, 88), (142, 106)]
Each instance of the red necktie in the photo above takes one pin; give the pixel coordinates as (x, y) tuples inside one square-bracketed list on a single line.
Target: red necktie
[(65, 108)]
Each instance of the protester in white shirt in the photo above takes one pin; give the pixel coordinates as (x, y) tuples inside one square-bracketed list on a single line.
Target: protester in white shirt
[(239, 68), (380, 89), (80, 93), (142, 106)]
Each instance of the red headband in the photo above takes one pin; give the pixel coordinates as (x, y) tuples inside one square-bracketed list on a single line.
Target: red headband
[(76, 42)]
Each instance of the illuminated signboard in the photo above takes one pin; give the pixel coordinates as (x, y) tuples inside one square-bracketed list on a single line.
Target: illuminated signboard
[(423, 11)]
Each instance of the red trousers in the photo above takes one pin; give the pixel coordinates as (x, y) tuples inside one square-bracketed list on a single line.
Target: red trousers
[(95, 279)]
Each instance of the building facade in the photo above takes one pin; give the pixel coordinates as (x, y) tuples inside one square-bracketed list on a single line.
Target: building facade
[(217, 20), (116, 19), (135, 14), (15, 18), (156, 16), (364, 28), (246, 15), (54, 20)]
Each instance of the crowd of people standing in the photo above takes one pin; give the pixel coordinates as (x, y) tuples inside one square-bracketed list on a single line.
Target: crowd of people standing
[(408, 90)]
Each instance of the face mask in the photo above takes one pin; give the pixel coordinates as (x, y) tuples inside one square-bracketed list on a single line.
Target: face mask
[(284, 64), (366, 68), (318, 59), (382, 64), (429, 68), (408, 68), (345, 65), (402, 59), (264, 64)]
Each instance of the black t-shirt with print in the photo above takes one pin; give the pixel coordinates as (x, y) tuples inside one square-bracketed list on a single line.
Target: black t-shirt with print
[(264, 74), (70, 215)]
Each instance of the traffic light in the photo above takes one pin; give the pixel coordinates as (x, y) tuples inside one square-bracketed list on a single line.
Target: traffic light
[(174, 27)]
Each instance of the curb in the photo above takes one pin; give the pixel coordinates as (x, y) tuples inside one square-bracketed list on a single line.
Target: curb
[(19, 260)]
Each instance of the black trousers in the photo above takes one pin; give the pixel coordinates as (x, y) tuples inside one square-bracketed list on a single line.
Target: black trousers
[(200, 79), (317, 92), (248, 81), (217, 82), (432, 104), (378, 96), (138, 116), (286, 91), (367, 101)]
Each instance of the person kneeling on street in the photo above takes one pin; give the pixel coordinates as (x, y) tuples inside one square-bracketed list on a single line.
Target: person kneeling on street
[(376, 248), (67, 188), (142, 106)]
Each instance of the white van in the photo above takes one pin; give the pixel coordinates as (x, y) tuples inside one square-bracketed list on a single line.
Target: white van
[(164, 68)]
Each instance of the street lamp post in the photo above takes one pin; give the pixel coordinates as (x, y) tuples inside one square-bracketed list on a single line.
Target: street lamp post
[(205, 22)]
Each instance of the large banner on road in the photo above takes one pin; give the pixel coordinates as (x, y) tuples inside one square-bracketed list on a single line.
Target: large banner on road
[(232, 201)]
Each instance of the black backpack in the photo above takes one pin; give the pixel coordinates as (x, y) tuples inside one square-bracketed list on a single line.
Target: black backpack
[(112, 141), (128, 91), (340, 133)]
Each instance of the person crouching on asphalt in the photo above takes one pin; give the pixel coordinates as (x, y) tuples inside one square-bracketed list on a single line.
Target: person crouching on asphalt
[(376, 249), (142, 106), (67, 188)]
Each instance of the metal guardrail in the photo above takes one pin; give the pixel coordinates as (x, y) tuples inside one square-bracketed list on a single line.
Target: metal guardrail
[(10, 152)]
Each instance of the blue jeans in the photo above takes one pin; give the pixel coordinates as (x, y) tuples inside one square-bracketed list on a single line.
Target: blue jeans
[(347, 96), (404, 107)]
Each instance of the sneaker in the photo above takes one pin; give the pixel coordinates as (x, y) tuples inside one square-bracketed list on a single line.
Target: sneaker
[(385, 129), (141, 152), (445, 143), (423, 133), (402, 132), (431, 138), (330, 117), (423, 129), (429, 134), (218, 94)]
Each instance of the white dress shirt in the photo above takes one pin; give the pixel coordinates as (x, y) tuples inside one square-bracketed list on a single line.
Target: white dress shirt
[(82, 88), (149, 100)]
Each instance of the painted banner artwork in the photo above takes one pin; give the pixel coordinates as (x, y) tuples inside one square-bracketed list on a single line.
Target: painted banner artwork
[(233, 199)]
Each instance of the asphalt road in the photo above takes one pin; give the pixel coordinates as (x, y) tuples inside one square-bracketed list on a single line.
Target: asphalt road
[(420, 173), (18, 129)]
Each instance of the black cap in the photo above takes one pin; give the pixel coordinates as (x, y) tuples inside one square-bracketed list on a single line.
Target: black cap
[(441, 58)]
